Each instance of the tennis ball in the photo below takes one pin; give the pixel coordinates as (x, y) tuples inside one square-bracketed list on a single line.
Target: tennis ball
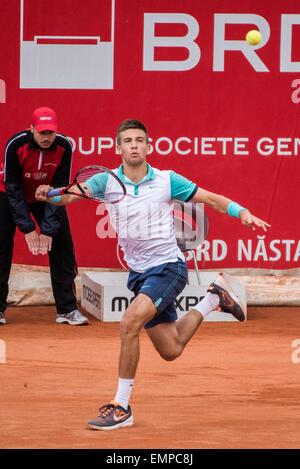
[(253, 37)]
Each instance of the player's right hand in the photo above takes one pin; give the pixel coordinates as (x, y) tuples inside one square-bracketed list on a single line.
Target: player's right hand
[(41, 193)]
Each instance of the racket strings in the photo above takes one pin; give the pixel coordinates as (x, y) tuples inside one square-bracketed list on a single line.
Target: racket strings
[(83, 176), (96, 184), (104, 196)]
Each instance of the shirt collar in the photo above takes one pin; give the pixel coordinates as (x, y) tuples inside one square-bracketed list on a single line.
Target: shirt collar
[(149, 176)]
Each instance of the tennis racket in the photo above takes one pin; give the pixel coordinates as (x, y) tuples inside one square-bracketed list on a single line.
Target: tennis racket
[(96, 183), (191, 224)]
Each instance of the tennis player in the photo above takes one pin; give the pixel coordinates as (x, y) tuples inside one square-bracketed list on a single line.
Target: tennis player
[(158, 272)]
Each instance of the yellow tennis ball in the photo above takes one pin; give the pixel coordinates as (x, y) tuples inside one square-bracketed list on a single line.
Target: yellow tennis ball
[(253, 37)]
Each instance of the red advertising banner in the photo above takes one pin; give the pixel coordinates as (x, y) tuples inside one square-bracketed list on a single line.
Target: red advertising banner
[(223, 113)]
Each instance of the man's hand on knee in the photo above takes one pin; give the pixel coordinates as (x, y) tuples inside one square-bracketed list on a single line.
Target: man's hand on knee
[(45, 244), (33, 242)]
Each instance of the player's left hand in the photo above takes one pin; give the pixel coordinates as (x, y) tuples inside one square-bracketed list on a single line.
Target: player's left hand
[(253, 222)]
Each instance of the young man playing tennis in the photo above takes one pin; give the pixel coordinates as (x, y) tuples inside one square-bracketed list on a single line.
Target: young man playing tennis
[(31, 156), (157, 269)]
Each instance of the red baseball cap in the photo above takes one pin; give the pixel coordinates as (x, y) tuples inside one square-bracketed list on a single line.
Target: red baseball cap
[(44, 118)]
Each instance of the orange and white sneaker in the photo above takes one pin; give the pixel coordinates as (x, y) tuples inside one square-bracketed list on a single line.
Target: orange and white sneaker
[(112, 416), (229, 303)]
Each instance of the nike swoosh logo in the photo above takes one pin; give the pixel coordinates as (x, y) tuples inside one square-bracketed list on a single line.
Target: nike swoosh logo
[(119, 418), (226, 300)]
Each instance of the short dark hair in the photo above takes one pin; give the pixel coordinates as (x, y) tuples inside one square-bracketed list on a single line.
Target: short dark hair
[(131, 124)]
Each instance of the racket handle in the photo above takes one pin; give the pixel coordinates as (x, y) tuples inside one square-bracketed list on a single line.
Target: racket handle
[(55, 192)]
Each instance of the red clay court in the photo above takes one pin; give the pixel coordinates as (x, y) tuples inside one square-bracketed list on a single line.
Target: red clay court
[(235, 386)]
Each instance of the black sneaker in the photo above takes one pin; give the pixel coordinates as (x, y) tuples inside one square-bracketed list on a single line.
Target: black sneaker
[(2, 318), (112, 416), (229, 303)]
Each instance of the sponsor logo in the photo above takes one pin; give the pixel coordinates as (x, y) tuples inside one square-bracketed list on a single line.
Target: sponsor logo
[(120, 416), (120, 303), (65, 61), (39, 176), (182, 303), (91, 296), (90, 58)]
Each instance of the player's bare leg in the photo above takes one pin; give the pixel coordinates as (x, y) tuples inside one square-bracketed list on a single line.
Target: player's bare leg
[(188, 325), (118, 412), (168, 341), (140, 311)]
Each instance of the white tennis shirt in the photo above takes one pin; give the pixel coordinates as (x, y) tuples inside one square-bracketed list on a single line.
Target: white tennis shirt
[(143, 220)]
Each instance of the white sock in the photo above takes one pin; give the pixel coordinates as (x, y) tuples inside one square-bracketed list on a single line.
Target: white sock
[(209, 303), (124, 392)]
